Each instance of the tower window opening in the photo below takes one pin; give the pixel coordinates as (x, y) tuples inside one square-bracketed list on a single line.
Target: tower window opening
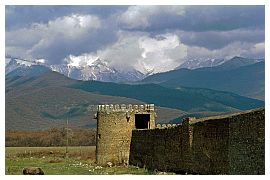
[(142, 121)]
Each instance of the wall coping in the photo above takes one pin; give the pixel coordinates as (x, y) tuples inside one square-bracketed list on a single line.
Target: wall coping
[(194, 120), (124, 107)]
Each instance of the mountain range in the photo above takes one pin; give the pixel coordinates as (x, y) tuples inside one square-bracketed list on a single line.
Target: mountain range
[(199, 63), (241, 76), (202, 63), (100, 70)]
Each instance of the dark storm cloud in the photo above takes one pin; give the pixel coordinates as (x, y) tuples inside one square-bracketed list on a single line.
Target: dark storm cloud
[(205, 18), (194, 18), (218, 39), (23, 16)]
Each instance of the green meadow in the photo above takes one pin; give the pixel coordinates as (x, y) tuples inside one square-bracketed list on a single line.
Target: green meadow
[(54, 161)]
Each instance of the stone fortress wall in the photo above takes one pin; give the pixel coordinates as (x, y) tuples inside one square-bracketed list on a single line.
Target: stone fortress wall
[(231, 144)]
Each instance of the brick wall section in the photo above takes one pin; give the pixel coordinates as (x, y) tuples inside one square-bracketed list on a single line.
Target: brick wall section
[(231, 144)]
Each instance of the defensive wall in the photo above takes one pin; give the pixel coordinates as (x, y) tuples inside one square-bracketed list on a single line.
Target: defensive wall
[(232, 144)]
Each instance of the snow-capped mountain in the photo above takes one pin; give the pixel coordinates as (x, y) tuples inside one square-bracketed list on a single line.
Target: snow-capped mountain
[(98, 70), (18, 66), (199, 63), (223, 63)]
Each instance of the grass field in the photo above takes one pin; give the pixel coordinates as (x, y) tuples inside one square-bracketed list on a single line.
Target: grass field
[(53, 161)]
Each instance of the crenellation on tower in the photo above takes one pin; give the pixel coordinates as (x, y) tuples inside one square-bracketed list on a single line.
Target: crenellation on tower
[(124, 107)]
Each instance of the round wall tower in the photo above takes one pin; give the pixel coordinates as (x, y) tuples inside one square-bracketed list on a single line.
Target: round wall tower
[(114, 130)]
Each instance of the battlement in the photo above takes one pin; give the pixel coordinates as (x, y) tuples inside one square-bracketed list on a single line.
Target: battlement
[(163, 126), (125, 108)]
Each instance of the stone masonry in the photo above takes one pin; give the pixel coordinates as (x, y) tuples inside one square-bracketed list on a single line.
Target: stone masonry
[(231, 144), (114, 129)]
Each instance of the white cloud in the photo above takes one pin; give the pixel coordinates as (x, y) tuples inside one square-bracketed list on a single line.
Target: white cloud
[(141, 52), (139, 16), (42, 61), (72, 26), (39, 39), (243, 49), (258, 49), (162, 53), (124, 53), (80, 61)]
